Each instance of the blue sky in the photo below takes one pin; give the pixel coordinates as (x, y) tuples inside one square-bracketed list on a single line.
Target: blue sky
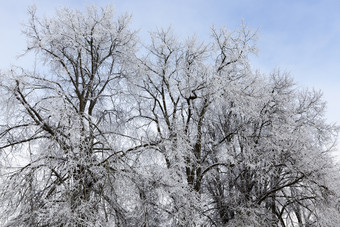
[(301, 37)]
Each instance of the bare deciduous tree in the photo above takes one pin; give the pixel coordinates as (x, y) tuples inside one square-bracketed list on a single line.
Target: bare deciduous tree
[(176, 133)]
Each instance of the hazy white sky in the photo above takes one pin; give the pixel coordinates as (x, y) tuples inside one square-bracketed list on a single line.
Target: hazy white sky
[(298, 36)]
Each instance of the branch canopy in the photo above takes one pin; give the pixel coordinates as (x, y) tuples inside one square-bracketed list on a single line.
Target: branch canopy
[(114, 132)]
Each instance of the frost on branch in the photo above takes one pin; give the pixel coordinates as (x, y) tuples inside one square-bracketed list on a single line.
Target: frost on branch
[(176, 133)]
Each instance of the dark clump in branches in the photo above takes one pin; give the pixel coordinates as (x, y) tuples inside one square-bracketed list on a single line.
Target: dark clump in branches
[(177, 133)]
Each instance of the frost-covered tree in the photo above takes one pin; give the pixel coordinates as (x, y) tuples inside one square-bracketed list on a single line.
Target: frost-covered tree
[(70, 120), (247, 147), (170, 133)]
